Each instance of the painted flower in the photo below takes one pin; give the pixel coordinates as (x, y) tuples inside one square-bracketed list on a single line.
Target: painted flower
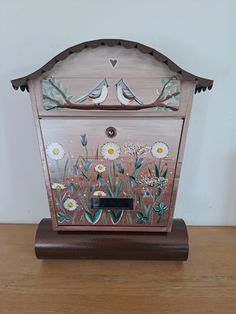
[(100, 168), (62, 217), (161, 182), (83, 139), (110, 151), (159, 150), (147, 193), (148, 180), (99, 193), (70, 204), (161, 210), (55, 151), (58, 186), (153, 182), (120, 168), (136, 149)]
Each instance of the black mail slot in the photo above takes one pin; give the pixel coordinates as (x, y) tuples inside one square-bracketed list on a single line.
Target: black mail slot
[(112, 203)]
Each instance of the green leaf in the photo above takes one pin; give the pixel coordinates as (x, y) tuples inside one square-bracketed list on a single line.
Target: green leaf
[(109, 178), (89, 217), (81, 198), (84, 175), (45, 81), (87, 165), (140, 202), (60, 214), (161, 209), (133, 181), (139, 221), (101, 180), (58, 84), (139, 215), (119, 189), (65, 168), (165, 173), (146, 209), (157, 171), (69, 98), (93, 219), (138, 163), (108, 190), (92, 188), (103, 183), (62, 217), (141, 218), (114, 169), (77, 163), (97, 216), (116, 218)]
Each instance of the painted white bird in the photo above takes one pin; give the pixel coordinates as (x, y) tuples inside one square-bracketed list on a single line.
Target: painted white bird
[(125, 95), (97, 95)]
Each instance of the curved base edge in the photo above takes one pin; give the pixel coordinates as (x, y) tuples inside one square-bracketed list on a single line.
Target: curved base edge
[(51, 244)]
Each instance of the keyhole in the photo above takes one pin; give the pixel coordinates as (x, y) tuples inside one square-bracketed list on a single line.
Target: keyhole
[(111, 132)]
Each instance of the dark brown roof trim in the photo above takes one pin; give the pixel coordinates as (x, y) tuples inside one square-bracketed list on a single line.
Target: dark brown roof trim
[(202, 83)]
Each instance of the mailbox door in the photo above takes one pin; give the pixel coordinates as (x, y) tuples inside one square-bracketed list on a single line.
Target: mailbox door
[(111, 173)]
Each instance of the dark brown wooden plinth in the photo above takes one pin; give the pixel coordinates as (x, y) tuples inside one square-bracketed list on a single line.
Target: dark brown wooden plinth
[(50, 244)]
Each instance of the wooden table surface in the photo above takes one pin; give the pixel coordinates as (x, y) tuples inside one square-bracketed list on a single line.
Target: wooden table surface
[(206, 283)]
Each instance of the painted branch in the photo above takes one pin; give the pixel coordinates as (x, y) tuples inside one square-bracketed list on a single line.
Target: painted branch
[(69, 105), (58, 104), (170, 96), (108, 107)]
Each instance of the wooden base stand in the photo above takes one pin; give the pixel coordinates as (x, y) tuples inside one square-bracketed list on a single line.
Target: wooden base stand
[(50, 244)]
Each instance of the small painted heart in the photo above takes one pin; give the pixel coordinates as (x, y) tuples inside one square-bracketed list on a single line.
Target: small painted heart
[(113, 62)]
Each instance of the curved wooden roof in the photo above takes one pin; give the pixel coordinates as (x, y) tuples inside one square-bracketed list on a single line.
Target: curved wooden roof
[(202, 83)]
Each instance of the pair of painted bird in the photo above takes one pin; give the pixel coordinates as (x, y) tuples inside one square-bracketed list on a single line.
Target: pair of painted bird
[(99, 94)]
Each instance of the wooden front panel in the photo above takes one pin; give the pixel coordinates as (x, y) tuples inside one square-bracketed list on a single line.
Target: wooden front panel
[(85, 164)]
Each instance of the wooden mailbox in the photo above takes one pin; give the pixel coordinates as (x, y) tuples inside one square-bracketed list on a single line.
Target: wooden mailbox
[(112, 118)]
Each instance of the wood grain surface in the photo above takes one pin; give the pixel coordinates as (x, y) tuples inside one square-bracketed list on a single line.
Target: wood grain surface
[(206, 283)]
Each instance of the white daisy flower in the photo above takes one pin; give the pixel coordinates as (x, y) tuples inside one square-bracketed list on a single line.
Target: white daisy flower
[(159, 150), (58, 186), (55, 151), (100, 168), (110, 151), (99, 193), (70, 204)]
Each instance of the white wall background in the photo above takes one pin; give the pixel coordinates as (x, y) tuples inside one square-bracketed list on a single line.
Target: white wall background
[(199, 36)]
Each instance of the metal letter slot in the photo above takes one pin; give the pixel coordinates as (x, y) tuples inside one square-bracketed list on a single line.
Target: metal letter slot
[(112, 203)]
